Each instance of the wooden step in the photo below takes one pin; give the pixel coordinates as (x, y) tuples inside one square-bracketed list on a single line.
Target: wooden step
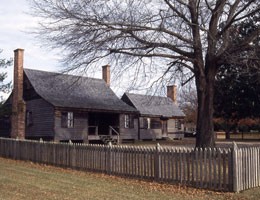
[(107, 138)]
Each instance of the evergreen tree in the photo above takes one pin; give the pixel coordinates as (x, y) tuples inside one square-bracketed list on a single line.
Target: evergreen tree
[(4, 86)]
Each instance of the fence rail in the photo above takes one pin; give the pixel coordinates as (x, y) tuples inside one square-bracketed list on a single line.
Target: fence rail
[(213, 168)]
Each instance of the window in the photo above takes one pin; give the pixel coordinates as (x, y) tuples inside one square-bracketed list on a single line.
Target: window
[(150, 123), (70, 119), (67, 120), (145, 123), (29, 119), (177, 124), (156, 123), (129, 121)]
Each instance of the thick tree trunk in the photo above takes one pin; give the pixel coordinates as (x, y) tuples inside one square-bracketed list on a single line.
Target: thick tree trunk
[(205, 129)]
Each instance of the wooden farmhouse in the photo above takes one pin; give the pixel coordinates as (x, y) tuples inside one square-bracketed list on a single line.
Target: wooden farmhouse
[(62, 107), (159, 117)]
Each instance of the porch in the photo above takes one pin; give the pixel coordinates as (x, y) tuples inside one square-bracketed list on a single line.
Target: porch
[(104, 127)]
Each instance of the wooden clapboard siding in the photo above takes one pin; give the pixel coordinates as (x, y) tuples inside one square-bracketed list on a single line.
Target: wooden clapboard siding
[(79, 130), (42, 119), (128, 133), (231, 169), (150, 134)]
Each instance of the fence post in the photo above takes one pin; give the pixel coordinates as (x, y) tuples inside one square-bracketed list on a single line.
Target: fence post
[(14, 150), (235, 167), (157, 163), (109, 158), (72, 154)]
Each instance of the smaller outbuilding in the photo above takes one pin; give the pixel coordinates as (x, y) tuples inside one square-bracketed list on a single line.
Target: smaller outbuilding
[(159, 117)]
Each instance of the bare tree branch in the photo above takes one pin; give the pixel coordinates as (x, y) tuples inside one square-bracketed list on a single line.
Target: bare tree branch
[(162, 37)]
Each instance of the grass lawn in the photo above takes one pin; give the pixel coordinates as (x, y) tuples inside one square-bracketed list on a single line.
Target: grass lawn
[(25, 180)]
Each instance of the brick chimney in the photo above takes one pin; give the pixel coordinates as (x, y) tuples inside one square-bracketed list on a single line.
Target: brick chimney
[(172, 93), (106, 74), (18, 104)]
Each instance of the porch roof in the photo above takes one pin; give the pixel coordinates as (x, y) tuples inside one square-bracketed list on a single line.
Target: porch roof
[(62, 90), (153, 105)]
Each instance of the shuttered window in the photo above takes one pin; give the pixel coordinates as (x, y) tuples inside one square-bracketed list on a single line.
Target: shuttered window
[(145, 123), (178, 124), (129, 121), (150, 123), (156, 123), (70, 120), (67, 120)]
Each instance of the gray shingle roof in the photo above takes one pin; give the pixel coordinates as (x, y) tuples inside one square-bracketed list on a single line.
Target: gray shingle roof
[(153, 105), (70, 91)]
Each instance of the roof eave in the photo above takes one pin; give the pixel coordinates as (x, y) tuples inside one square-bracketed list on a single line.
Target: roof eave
[(95, 110)]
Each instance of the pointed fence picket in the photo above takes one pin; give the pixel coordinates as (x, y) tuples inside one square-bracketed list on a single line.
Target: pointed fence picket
[(231, 169)]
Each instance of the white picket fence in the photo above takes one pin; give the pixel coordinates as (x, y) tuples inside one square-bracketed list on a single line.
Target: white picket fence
[(232, 169), (246, 162)]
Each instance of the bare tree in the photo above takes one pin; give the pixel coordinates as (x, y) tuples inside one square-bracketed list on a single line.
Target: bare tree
[(189, 105), (193, 37)]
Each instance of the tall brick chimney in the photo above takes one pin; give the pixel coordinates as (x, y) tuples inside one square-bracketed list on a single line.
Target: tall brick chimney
[(172, 93), (106, 74), (18, 104)]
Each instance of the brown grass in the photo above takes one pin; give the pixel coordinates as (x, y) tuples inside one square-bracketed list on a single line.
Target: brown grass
[(25, 180)]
